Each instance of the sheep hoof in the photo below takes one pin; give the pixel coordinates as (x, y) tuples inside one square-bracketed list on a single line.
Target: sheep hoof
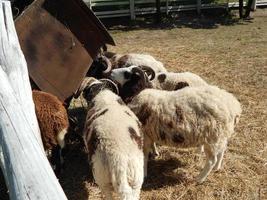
[(217, 169), (200, 149), (153, 155), (200, 180)]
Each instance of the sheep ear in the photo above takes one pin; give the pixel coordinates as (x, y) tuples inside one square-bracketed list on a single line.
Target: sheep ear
[(149, 71), (111, 85), (181, 85), (161, 77)]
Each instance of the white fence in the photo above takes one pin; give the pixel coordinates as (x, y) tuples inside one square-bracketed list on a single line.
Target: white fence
[(132, 8)]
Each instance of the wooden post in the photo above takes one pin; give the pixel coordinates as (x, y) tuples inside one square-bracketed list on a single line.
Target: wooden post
[(132, 11), (248, 8), (90, 4), (158, 12), (254, 5), (27, 172), (241, 6), (167, 7), (198, 7)]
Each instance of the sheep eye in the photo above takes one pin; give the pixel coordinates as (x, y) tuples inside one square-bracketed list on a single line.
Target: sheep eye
[(86, 94), (127, 75)]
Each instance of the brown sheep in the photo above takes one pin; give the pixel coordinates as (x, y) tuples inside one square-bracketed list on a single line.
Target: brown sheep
[(53, 123)]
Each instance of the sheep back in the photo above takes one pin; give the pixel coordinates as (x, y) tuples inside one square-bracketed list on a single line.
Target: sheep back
[(188, 117), (139, 60), (114, 123), (174, 81)]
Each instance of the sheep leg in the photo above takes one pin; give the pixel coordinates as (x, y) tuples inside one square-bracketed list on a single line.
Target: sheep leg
[(136, 193), (200, 149), (218, 164), (220, 157), (210, 163), (125, 196), (107, 192), (146, 155), (147, 147), (56, 159), (153, 154), (61, 144)]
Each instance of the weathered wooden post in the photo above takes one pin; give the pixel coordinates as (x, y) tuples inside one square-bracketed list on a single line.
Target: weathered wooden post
[(158, 12), (167, 7), (241, 7), (254, 5), (27, 172), (198, 7), (132, 9), (250, 6)]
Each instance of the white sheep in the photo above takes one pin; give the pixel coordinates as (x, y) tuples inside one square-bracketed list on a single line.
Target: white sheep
[(190, 117), (53, 123), (113, 140)]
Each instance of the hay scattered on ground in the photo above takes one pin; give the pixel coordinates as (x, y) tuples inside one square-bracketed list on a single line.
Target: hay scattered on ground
[(226, 52), (233, 55)]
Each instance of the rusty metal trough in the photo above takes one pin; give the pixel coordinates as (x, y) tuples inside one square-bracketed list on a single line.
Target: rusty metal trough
[(60, 39)]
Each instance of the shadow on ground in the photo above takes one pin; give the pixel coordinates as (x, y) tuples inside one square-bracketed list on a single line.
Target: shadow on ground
[(76, 168), (162, 173), (209, 19), (76, 172), (3, 188)]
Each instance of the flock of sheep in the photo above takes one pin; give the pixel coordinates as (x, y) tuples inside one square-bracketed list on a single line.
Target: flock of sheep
[(134, 103)]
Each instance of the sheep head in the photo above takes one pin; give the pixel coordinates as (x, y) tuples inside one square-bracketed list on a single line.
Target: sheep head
[(100, 67), (131, 80), (125, 74), (90, 87)]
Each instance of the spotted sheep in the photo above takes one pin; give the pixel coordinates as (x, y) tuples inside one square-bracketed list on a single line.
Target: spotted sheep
[(174, 81), (54, 125), (126, 60), (163, 81), (113, 139), (171, 81), (189, 117)]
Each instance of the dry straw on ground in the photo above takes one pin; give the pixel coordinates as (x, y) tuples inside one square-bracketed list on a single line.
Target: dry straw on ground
[(226, 52)]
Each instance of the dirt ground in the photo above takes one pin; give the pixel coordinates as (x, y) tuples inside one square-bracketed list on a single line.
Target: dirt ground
[(229, 53)]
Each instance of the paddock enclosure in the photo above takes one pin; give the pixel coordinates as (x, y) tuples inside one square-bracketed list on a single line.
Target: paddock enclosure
[(227, 52)]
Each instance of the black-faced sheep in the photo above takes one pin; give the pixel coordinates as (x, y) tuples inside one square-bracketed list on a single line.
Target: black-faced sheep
[(113, 139), (131, 80), (164, 81), (100, 67), (107, 61), (53, 123), (190, 117)]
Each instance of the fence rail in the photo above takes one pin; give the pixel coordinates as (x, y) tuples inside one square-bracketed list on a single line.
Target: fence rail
[(132, 8)]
